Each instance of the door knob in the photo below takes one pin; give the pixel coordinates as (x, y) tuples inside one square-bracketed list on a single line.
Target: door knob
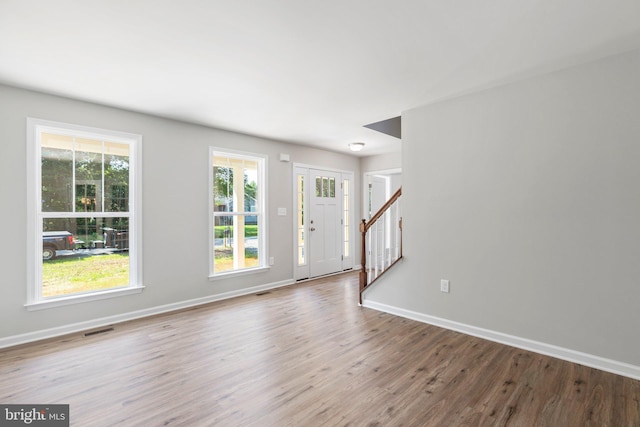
[(313, 229)]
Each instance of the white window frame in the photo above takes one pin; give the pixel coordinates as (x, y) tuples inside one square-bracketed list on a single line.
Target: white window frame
[(261, 213), (35, 127)]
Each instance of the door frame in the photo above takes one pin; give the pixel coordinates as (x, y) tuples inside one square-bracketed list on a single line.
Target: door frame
[(365, 186), (301, 272)]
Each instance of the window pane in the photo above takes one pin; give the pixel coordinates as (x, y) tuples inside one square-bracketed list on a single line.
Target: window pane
[(232, 231), (300, 221), (325, 186), (301, 257), (300, 201), (332, 187), (222, 187), (116, 177), (223, 227), (88, 179), (250, 175), (84, 254), (226, 190), (346, 248), (345, 217), (251, 247), (86, 197), (223, 243), (318, 186), (57, 173)]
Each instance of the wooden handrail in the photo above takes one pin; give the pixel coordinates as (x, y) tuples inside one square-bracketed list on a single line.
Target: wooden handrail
[(381, 211), (364, 227)]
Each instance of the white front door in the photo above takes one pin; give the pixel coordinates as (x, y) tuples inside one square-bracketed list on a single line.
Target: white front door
[(323, 225), (325, 228)]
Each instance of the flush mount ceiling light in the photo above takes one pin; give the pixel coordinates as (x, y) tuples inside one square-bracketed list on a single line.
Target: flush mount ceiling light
[(356, 146)]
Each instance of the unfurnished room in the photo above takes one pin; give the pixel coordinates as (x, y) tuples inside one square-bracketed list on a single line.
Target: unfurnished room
[(296, 213)]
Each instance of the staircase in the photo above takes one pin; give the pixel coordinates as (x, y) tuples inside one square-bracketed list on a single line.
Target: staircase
[(381, 242)]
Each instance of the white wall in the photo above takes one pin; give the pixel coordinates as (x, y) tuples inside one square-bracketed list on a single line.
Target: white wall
[(175, 215), (381, 162), (387, 165), (527, 198), (396, 181)]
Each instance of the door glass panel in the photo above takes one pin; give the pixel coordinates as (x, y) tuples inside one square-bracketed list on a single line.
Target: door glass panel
[(345, 217), (300, 221)]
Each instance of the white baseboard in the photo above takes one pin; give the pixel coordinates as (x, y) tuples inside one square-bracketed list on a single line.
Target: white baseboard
[(119, 318), (608, 365)]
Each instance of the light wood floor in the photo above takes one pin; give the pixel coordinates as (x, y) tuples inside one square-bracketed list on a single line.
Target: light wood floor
[(307, 355)]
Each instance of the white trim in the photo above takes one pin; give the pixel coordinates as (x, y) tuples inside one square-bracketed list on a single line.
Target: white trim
[(597, 362), (33, 176), (306, 166), (235, 273), (336, 273), (210, 212), (119, 318), (86, 297), (135, 209), (392, 171), (89, 132)]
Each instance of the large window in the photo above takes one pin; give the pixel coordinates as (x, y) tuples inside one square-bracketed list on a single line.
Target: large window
[(238, 218), (84, 234)]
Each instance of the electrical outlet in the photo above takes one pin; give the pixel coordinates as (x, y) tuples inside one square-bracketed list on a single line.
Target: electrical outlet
[(444, 286), (271, 261)]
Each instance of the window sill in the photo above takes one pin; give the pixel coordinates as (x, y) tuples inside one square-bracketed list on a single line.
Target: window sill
[(77, 299), (227, 275)]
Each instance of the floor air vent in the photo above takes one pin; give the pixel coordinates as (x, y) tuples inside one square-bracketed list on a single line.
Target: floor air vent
[(101, 331)]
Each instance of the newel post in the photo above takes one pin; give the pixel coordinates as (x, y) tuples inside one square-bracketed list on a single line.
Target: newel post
[(363, 259)]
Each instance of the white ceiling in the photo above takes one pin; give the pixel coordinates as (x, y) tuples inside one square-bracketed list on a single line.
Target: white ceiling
[(304, 71)]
